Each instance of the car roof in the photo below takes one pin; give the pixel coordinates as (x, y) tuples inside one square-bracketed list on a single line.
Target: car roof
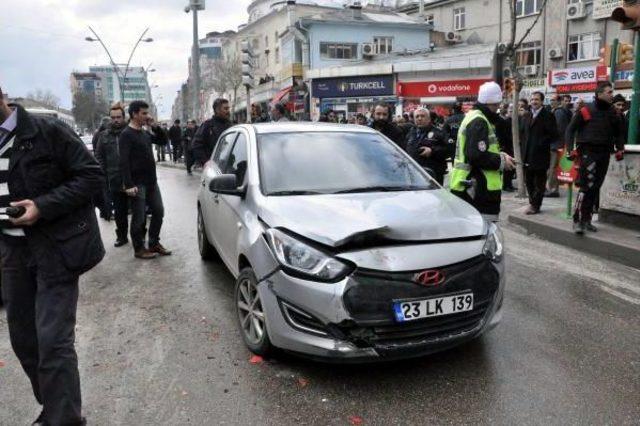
[(305, 126)]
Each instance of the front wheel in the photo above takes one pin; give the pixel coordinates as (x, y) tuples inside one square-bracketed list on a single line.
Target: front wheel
[(251, 317), (207, 251)]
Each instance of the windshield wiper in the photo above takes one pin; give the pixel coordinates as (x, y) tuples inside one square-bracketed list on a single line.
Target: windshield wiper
[(295, 192), (381, 188)]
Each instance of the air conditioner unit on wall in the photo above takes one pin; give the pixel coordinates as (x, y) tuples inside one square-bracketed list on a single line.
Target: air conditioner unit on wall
[(369, 49), (531, 70), (503, 48), (452, 37), (555, 53), (506, 73), (576, 11)]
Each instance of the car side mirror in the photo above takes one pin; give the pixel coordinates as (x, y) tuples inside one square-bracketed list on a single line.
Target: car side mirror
[(226, 184)]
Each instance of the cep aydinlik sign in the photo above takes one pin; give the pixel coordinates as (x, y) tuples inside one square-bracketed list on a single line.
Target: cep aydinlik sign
[(348, 87)]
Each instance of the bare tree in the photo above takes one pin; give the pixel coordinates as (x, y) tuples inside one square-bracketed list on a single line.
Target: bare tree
[(226, 78), (88, 109), (45, 97), (517, 78)]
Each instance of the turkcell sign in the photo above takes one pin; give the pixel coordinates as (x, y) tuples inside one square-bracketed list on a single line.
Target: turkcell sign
[(577, 75), (346, 87)]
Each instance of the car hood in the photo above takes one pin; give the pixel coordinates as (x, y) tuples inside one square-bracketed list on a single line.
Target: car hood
[(369, 219)]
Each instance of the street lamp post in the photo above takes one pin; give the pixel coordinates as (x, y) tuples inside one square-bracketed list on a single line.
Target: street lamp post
[(121, 78), (194, 6)]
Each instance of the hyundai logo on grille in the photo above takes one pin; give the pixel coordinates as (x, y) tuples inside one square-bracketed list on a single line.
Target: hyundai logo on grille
[(429, 278)]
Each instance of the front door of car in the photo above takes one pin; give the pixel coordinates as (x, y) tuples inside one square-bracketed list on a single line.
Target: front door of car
[(212, 200), (229, 223)]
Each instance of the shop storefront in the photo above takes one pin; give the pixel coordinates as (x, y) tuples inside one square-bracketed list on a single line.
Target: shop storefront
[(348, 96), (439, 95)]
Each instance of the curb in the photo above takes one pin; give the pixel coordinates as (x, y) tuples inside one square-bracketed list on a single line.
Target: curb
[(618, 245)]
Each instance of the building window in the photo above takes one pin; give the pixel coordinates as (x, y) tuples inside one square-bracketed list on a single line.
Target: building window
[(339, 50), (277, 54), (527, 7), (529, 53), (383, 44), (458, 19), (266, 42), (584, 47)]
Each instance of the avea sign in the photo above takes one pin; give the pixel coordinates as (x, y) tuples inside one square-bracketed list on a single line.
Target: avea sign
[(577, 75)]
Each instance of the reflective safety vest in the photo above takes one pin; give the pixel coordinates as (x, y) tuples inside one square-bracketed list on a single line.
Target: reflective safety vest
[(461, 166)]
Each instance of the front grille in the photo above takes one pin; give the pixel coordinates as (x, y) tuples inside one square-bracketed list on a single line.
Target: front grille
[(369, 295)]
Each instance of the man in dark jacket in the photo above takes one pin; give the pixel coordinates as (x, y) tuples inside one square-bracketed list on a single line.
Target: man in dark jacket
[(47, 172), (101, 199), (138, 170), (382, 123), (427, 145), (598, 131), (187, 144), (107, 155), (175, 136), (536, 150), (208, 133), (450, 128), (562, 114)]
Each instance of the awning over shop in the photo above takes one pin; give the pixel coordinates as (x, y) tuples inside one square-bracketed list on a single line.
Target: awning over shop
[(282, 95)]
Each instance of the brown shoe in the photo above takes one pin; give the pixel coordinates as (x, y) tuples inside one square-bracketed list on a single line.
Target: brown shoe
[(159, 249), (531, 210), (145, 254)]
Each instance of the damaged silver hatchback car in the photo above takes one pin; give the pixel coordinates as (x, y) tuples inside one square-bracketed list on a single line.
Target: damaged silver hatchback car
[(343, 247)]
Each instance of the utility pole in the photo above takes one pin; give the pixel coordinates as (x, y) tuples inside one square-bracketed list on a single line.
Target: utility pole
[(194, 6), (247, 73)]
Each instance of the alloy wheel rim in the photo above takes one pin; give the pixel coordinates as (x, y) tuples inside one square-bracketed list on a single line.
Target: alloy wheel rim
[(250, 311)]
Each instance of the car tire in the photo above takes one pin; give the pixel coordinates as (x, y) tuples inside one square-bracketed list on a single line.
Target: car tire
[(207, 251), (250, 314)]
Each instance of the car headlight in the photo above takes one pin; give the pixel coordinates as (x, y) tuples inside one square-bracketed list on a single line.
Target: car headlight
[(298, 257), (493, 247)]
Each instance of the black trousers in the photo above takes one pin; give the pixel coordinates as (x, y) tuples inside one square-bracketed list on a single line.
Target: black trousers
[(41, 298), (593, 170), (188, 159), (536, 181), (177, 151), (121, 207), (147, 195)]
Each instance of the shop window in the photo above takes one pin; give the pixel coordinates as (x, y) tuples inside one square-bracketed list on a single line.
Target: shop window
[(339, 50), (459, 19), (528, 7), (529, 53), (384, 44), (584, 47)]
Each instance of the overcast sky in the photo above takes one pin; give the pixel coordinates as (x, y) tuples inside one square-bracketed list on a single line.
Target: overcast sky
[(43, 40)]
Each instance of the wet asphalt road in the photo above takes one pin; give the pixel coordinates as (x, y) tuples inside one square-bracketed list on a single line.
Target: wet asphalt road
[(158, 344)]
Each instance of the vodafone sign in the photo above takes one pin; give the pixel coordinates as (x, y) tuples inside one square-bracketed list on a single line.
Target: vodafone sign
[(438, 89)]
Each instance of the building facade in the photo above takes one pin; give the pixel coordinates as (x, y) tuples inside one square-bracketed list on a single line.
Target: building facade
[(87, 82), (135, 85)]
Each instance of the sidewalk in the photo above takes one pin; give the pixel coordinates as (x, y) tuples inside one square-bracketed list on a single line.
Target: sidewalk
[(180, 166), (611, 242)]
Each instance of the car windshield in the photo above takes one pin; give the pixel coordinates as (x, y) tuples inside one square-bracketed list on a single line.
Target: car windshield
[(335, 162)]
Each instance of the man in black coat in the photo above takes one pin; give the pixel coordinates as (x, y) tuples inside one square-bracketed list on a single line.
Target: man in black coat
[(175, 136), (427, 145), (107, 154), (450, 128), (382, 123), (187, 144), (536, 151), (47, 172), (208, 133)]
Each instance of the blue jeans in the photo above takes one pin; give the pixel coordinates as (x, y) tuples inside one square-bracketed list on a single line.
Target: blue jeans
[(148, 195)]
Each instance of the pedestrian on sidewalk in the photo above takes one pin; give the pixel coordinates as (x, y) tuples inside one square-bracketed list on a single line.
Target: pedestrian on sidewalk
[(208, 133), (598, 131), (505, 138), (427, 145), (107, 154), (45, 250), (536, 150), (187, 144), (175, 135), (138, 170), (478, 166), (278, 113), (562, 114), (383, 124)]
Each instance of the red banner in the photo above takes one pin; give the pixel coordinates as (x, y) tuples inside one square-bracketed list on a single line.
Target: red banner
[(576, 88), (439, 89)]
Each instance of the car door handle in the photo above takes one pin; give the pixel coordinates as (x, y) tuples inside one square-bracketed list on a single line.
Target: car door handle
[(216, 198)]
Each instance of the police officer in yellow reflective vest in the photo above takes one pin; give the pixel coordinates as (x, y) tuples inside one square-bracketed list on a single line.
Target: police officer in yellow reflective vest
[(478, 165)]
